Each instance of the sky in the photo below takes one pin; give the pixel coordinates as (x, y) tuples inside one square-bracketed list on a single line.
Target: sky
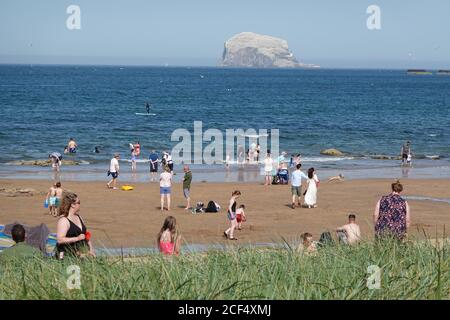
[(329, 33)]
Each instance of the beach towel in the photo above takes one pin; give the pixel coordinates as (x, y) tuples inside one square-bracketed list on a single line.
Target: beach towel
[(47, 247)]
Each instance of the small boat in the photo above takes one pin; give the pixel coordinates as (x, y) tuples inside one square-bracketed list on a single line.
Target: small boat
[(418, 72)]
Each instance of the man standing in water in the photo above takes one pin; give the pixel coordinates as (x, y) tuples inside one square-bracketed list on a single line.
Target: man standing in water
[(406, 153), (147, 106), (72, 146)]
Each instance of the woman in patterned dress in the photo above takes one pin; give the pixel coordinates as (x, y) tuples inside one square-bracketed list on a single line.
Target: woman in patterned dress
[(392, 215)]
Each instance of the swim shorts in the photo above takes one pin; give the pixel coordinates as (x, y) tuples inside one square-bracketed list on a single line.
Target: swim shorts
[(296, 191), (164, 190), (114, 175), (239, 218), (154, 167), (186, 193), (52, 201), (231, 215)]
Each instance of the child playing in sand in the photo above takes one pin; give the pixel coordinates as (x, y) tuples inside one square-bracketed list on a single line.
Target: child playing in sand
[(308, 246), (240, 216)]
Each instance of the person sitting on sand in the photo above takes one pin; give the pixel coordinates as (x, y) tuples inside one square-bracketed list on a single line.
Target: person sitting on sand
[(349, 233), (72, 237), (232, 215), (168, 239), (308, 246), (240, 216), (20, 249), (339, 177)]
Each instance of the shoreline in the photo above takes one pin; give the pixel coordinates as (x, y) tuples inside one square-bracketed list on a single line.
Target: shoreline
[(131, 219)]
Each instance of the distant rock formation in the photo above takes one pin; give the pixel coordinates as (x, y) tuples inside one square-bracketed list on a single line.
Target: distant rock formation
[(332, 152), (248, 49), (44, 163)]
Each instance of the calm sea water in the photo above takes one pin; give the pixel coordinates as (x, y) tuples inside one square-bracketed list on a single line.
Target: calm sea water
[(361, 112)]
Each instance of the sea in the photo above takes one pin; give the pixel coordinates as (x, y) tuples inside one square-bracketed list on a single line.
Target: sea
[(363, 113)]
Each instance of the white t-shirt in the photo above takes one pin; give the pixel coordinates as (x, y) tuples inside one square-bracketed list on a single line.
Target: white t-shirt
[(268, 164), (165, 178), (114, 167)]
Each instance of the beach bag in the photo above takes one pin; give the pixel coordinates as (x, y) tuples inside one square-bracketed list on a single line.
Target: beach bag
[(326, 239), (211, 207), (200, 207)]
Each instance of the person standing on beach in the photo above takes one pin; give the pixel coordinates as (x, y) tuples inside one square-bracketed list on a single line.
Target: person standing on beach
[(165, 184), (153, 157), (72, 146), (311, 191), (268, 168), (296, 185), (406, 152), (54, 196), (229, 233), (392, 216), (187, 186), (72, 237), (113, 171), (133, 160)]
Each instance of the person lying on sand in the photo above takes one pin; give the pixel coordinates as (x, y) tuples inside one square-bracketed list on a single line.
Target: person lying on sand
[(340, 177)]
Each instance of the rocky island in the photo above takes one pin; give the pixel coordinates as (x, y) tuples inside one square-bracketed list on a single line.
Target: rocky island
[(252, 50)]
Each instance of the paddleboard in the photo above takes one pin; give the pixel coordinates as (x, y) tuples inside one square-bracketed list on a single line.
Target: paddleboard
[(254, 135), (145, 114)]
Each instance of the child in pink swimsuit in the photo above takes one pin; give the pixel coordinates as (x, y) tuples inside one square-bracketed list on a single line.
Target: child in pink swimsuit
[(168, 238)]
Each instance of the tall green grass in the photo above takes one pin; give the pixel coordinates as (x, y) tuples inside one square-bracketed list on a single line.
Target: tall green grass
[(416, 270)]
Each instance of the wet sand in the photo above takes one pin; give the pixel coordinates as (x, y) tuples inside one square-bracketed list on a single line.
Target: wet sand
[(119, 218)]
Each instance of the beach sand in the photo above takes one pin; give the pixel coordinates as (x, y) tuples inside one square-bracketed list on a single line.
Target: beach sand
[(119, 218)]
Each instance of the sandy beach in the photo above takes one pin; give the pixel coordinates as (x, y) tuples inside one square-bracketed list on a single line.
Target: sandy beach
[(119, 218)]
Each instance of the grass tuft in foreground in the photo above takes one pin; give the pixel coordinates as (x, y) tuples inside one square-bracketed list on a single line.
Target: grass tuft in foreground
[(416, 270)]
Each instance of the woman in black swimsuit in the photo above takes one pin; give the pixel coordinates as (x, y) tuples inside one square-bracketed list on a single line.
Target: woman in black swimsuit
[(71, 230), (232, 216)]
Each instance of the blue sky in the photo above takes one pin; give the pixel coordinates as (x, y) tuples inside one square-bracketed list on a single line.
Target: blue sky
[(414, 33)]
